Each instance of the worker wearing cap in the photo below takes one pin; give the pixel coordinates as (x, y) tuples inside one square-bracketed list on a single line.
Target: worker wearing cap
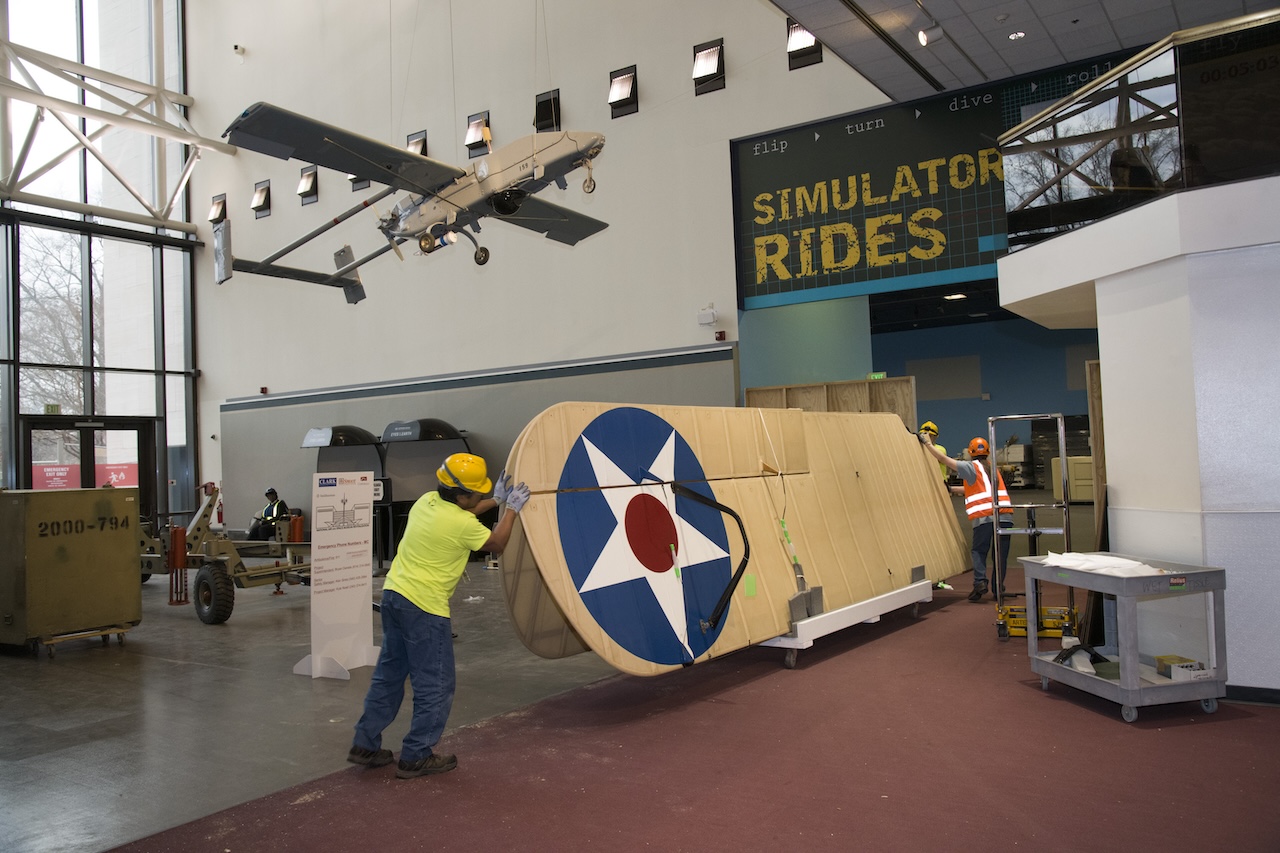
[(417, 637), (264, 523), (980, 506), (932, 429)]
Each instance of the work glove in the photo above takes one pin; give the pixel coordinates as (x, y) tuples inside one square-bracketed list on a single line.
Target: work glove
[(517, 496), (501, 487)]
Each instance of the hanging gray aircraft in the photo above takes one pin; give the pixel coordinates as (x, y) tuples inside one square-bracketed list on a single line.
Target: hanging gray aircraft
[(443, 199)]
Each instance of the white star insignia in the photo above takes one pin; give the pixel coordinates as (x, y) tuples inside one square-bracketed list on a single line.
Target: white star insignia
[(617, 562)]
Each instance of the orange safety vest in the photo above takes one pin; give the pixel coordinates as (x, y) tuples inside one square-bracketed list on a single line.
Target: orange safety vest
[(977, 495)]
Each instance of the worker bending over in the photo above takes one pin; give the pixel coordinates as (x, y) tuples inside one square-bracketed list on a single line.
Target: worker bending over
[(980, 507), (417, 638)]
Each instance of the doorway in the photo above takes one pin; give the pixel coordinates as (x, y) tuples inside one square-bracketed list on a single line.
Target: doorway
[(69, 452)]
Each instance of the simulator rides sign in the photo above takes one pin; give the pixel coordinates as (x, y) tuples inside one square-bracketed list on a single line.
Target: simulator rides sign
[(903, 197)]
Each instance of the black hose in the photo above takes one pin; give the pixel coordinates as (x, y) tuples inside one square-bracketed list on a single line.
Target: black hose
[(723, 604)]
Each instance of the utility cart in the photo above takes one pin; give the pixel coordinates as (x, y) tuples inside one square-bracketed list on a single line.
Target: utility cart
[(1165, 633)]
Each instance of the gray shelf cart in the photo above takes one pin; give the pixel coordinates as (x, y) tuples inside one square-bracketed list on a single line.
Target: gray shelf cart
[(1186, 606)]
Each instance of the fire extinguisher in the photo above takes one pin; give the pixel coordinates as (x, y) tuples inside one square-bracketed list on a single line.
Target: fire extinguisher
[(219, 510)]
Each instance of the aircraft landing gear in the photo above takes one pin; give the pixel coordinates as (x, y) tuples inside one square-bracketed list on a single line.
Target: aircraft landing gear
[(482, 254), (589, 185)]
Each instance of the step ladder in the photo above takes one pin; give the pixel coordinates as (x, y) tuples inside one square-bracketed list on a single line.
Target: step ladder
[(1011, 620)]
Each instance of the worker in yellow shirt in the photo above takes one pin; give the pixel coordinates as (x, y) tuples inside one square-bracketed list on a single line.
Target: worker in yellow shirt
[(931, 429), (417, 643)]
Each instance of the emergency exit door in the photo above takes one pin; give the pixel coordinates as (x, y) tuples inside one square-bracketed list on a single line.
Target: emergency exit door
[(89, 453)]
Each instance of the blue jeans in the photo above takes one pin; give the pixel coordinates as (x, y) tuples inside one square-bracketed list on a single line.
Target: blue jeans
[(419, 646), (982, 535)]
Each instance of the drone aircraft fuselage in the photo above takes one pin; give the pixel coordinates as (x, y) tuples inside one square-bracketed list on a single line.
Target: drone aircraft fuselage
[(443, 200), (501, 184)]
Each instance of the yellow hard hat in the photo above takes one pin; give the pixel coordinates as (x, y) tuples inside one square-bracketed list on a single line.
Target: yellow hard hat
[(929, 427), (465, 471)]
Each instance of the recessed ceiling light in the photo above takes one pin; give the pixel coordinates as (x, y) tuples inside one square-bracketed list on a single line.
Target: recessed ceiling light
[(951, 297), (1017, 35), (1002, 17)]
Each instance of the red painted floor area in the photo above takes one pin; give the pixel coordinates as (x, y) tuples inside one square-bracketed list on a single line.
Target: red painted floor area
[(909, 734)]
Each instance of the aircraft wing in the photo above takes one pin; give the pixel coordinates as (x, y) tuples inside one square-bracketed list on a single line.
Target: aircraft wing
[(558, 223), (280, 133)]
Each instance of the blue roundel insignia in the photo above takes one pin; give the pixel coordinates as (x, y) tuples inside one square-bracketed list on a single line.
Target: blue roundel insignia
[(649, 565)]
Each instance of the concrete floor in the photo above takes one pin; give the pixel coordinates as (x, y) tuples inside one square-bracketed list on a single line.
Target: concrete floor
[(100, 745)]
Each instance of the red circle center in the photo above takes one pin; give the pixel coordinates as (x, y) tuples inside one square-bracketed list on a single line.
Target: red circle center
[(651, 533)]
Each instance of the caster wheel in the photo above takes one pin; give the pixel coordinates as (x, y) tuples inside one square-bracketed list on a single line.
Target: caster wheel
[(1129, 713), (1044, 683), (789, 659), (1209, 705)]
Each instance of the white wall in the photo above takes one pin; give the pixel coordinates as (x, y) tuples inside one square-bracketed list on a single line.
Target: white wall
[(1187, 312), (387, 69)]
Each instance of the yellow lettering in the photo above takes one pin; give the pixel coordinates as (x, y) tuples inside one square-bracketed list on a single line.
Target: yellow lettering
[(962, 180), (784, 198), (989, 164), (828, 234), (806, 251), (904, 182), (937, 240), (931, 166), (771, 251), (853, 193), (764, 209), (867, 198), (815, 202), (875, 240)]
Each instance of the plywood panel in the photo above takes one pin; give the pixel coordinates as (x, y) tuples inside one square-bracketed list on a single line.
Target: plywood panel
[(767, 398), (811, 398), (1098, 444), (897, 395), (861, 502), (848, 397)]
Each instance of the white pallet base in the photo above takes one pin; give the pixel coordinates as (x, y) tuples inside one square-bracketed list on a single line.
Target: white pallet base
[(804, 632)]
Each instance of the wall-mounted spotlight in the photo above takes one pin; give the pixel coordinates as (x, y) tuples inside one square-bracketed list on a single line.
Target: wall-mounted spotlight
[(624, 92), (261, 204), (802, 48), (309, 185), (546, 111), (708, 67), (218, 210), (931, 34), (479, 140), (416, 143)]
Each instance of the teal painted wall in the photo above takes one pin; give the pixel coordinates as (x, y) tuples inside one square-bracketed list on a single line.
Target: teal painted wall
[(1024, 368), (825, 341)]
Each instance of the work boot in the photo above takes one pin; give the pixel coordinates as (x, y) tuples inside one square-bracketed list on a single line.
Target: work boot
[(370, 757), (434, 763), (978, 592)]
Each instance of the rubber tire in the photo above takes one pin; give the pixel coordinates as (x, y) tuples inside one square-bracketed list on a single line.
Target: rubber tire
[(482, 256), (1209, 706), (146, 577), (1128, 713), (789, 658), (214, 595)]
